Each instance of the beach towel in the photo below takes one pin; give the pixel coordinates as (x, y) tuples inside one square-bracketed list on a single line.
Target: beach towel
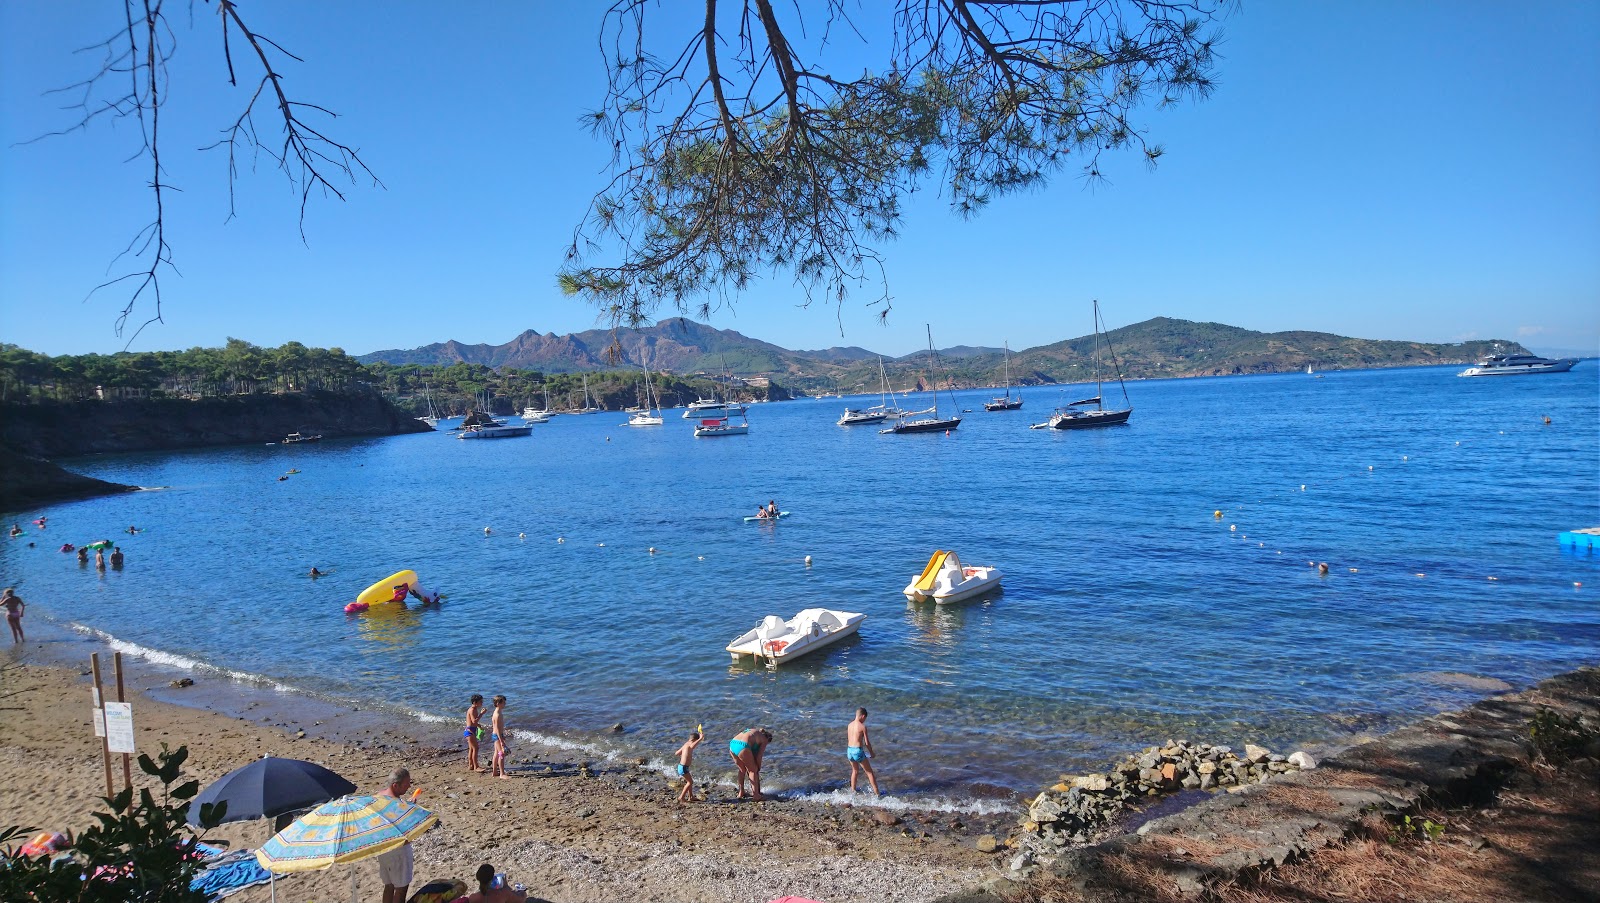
[(230, 873)]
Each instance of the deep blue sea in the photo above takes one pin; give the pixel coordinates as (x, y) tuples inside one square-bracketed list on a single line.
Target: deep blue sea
[(1130, 612)]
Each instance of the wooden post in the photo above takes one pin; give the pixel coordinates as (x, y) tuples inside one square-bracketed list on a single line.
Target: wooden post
[(105, 744), (127, 762)]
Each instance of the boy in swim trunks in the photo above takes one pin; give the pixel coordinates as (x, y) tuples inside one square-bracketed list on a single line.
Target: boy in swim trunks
[(474, 731), (858, 751), (746, 750), (685, 759), (497, 728)]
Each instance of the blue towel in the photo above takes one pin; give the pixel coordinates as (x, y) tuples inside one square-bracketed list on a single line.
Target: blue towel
[(229, 874)]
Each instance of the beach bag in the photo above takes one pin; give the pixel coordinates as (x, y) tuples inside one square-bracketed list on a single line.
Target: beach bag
[(439, 892)]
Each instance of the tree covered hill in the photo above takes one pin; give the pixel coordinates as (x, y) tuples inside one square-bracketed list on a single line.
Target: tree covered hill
[(1155, 348)]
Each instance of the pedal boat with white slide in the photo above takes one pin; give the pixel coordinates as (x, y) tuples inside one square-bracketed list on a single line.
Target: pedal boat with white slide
[(946, 580), (776, 641)]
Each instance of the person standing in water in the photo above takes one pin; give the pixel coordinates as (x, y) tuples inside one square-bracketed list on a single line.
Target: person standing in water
[(100, 559), (858, 751), (116, 558), (474, 731), (14, 607)]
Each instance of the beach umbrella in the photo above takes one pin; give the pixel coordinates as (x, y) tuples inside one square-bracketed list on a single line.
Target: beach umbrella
[(269, 787), (348, 829)]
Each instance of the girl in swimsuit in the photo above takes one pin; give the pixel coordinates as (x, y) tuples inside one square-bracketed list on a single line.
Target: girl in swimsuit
[(14, 607)]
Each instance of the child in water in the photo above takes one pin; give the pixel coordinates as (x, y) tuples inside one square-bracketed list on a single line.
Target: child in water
[(685, 760)]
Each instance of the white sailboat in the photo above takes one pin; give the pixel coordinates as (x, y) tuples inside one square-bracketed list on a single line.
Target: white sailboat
[(647, 416), (433, 415), (531, 414), (589, 406), (877, 413)]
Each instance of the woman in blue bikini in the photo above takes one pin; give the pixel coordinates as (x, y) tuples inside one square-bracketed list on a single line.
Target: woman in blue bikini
[(746, 751)]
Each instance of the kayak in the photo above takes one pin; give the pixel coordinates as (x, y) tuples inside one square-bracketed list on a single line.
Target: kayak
[(755, 518)]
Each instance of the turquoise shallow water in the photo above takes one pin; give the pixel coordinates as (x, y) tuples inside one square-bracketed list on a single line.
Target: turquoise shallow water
[(1129, 615)]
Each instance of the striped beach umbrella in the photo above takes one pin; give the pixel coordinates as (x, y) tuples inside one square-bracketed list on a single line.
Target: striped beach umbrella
[(348, 829)]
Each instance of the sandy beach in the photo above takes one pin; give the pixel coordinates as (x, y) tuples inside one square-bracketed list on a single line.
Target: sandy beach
[(569, 833)]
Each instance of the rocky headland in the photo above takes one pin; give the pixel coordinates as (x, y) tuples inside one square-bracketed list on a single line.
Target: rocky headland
[(35, 435)]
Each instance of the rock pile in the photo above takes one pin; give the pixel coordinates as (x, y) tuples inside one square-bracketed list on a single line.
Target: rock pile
[(1077, 810)]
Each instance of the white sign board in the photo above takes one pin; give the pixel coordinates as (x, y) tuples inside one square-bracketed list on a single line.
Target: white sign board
[(119, 726), (99, 716)]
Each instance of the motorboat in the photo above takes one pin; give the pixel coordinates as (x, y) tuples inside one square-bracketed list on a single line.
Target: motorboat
[(701, 407), (946, 580), (534, 415), (292, 438), (721, 426), (873, 414), (776, 641), (495, 431), (1518, 364)]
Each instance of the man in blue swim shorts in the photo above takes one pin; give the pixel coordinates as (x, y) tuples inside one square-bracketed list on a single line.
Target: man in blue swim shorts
[(859, 751)]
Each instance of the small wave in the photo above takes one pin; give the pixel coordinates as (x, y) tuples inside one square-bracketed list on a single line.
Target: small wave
[(429, 717), (174, 660), (908, 803)]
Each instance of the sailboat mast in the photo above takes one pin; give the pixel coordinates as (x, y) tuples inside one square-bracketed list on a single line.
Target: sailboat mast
[(933, 370), (1099, 395)]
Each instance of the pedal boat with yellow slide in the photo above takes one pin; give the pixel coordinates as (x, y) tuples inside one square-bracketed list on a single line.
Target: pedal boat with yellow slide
[(776, 641), (945, 580)]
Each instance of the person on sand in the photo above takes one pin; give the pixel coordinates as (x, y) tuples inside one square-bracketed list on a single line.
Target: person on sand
[(858, 751), (394, 867), (490, 892), (14, 607), (474, 731), (116, 558), (747, 750), (685, 760), (497, 733)]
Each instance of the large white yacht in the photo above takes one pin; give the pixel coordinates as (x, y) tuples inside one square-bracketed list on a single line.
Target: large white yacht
[(1515, 364)]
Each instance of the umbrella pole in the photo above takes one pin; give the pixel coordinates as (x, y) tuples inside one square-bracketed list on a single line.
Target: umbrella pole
[(354, 897)]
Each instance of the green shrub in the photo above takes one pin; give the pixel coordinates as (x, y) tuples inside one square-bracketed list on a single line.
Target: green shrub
[(141, 851), (1559, 738)]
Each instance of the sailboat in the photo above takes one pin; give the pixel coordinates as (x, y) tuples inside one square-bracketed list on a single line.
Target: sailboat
[(588, 400), (1006, 402), (647, 417), (932, 423), (531, 414), (1076, 415), (433, 415), (879, 412)]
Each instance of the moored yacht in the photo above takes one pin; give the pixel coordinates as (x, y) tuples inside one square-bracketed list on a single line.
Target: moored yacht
[(1518, 364)]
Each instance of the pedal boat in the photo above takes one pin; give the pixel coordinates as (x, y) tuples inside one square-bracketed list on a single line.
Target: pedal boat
[(946, 580), (776, 641)]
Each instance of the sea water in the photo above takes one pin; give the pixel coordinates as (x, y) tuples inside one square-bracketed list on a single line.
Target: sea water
[(1131, 613)]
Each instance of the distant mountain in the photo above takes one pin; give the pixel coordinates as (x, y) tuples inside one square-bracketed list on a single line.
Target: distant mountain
[(1156, 348)]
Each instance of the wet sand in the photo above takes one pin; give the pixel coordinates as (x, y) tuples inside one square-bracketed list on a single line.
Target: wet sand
[(611, 832)]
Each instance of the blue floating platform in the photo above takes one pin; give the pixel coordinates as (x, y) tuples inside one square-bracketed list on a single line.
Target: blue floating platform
[(1581, 540)]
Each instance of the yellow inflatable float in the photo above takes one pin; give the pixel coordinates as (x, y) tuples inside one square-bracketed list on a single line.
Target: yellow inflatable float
[(393, 588)]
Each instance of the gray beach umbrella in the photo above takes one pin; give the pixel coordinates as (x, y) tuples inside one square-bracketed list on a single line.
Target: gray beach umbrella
[(269, 787)]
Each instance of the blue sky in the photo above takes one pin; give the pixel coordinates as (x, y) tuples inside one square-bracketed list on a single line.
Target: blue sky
[(1421, 171)]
